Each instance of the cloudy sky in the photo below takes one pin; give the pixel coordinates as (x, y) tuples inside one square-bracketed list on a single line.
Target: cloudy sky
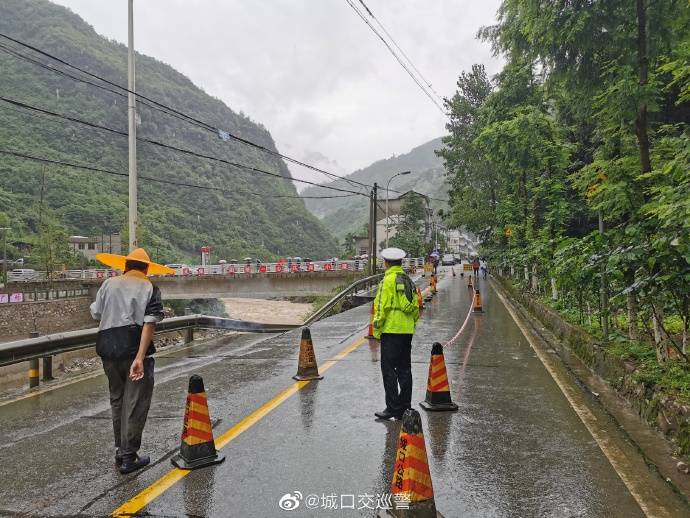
[(310, 70)]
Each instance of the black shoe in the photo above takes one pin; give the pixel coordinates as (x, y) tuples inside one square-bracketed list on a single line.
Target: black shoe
[(118, 458), (385, 414), (134, 463)]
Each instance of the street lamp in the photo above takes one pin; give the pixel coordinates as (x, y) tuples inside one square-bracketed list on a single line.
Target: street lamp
[(388, 196)]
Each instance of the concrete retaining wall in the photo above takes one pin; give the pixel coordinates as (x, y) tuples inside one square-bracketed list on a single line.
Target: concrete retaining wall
[(54, 316), (18, 320)]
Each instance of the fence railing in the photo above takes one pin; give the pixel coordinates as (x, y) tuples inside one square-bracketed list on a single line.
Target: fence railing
[(359, 285), (46, 346), (57, 343), (208, 270)]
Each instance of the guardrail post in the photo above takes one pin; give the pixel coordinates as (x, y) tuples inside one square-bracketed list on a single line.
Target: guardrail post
[(47, 368), (33, 366), (189, 335)]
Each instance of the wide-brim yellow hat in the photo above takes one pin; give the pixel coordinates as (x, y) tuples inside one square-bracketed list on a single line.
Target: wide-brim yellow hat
[(118, 262)]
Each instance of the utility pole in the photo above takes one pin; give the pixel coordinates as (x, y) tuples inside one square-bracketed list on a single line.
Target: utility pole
[(603, 290), (370, 236), (132, 130), (375, 246)]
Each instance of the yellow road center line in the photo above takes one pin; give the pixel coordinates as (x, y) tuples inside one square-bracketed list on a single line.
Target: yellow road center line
[(149, 494), (612, 452)]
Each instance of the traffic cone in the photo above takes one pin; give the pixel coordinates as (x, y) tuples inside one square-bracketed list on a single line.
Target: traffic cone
[(197, 448), (477, 304), (470, 286), (370, 334), (420, 299), (307, 368), (437, 388), (413, 492)]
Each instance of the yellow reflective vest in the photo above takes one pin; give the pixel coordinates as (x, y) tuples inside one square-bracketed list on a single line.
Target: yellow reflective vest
[(395, 307)]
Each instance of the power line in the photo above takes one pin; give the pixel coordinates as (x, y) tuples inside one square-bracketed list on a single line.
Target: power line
[(157, 180), (421, 76), (153, 104), (168, 146), (395, 55), (164, 108)]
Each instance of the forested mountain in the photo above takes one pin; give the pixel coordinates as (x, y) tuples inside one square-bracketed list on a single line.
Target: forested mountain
[(256, 214), (345, 215)]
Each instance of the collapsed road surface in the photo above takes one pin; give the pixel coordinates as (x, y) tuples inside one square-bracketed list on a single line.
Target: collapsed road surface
[(526, 441)]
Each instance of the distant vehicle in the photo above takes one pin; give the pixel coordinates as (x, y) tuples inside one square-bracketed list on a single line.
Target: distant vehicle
[(222, 261), (176, 266), (21, 275), (448, 260)]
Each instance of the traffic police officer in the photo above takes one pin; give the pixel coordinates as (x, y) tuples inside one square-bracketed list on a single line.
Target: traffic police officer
[(395, 316)]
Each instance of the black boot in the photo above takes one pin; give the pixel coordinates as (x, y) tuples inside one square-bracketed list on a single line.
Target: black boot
[(133, 463)]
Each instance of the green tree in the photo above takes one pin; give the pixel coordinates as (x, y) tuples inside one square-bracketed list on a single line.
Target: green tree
[(410, 229)]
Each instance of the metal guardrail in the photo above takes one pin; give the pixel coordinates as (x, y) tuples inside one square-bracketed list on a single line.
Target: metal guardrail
[(56, 343), (367, 281)]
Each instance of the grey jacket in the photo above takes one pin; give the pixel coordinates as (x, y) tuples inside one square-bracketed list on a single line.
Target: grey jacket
[(123, 304)]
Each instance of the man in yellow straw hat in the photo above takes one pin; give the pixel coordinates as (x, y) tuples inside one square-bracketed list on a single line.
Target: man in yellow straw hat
[(127, 308)]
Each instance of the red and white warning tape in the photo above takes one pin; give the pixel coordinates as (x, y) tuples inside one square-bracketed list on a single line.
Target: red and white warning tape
[(462, 328)]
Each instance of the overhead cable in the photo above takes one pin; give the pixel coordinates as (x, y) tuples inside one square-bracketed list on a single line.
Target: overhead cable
[(224, 135), (153, 104), (157, 180), (170, 147), (419, 73), (395, 55)]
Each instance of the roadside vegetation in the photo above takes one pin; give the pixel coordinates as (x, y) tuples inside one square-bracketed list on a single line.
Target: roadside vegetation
[(573, 166)]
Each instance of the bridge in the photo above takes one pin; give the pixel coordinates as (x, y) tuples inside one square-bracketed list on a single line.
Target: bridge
[(527, 439), (205, 282)]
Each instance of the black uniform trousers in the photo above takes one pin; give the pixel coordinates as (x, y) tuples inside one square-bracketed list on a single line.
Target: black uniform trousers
[(396, 369)]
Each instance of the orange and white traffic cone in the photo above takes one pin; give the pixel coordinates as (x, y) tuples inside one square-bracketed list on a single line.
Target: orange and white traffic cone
[(307, 369), (477, 303), (437, 387), (197, 448), (413, 492), (370, 333)]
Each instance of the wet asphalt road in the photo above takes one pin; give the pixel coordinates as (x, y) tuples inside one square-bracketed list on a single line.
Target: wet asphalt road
[(515, 448)]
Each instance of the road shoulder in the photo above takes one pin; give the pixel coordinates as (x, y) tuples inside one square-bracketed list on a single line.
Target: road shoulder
[(640, 456)]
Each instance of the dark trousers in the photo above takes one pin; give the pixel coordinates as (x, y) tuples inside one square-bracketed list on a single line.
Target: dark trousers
[(397, 370), (129, 403)]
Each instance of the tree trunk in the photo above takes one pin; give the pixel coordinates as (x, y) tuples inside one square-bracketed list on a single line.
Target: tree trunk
[(629, 277), (535, 280), (554, 290), (643, 65), (589, 314), (659, 342)]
